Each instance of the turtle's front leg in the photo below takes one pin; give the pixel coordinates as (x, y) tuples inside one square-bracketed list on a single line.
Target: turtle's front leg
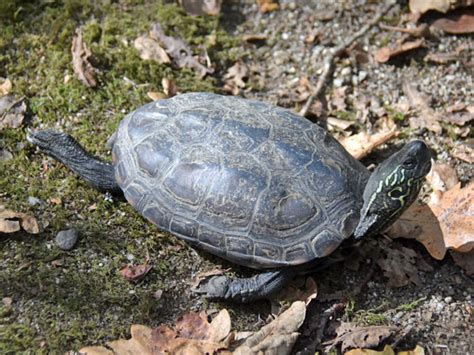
[(245, 290)]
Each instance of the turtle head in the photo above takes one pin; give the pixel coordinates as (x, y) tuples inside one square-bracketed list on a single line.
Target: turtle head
[(392, 187)]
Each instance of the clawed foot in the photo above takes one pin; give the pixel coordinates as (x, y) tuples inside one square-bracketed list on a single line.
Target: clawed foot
[(216, 287)]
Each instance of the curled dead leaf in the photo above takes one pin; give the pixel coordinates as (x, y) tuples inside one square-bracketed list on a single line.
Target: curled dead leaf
[(81, 60), (349, 335), (446, 222), (179, 51), (399, 265), (235, 78), (135, 273), (442, 177), (464, 261), (149, 49), (384, 54), (11, 222), (456, 22)]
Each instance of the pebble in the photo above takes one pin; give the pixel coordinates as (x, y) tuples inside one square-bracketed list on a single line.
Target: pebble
[(338, 82), (346, 71), (66, 239), (448, 299), (5, 155), (33, 201)]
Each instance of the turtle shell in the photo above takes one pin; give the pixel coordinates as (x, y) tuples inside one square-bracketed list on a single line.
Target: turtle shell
[(247, 181)]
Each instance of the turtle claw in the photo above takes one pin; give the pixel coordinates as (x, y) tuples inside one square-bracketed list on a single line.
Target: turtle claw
[(216, 287)]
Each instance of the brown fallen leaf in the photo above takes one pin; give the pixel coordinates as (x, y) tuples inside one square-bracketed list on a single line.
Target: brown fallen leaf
[(149, 49), (422, 30), (135, 273), (179, 51), (349, 335), (265, 6), (277, 337), (11, 222), (5, 86), (169, 87), (156, 95), (12, 111), (441, 58), (361, 144), (305, 290), (254, 37), (446, 222), (421, 6), (456, 22), (235, 78), (428, 117), (464, 151), (384, 54), (81, 60), (464, 261), (399, 265), (201, 7), (193, 334), (442, 177), (387, 350)]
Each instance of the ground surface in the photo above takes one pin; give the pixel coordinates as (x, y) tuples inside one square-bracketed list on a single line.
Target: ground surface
[(81, 299)]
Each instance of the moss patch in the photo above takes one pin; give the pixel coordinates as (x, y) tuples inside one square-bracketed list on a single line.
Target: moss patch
[(65, 300)]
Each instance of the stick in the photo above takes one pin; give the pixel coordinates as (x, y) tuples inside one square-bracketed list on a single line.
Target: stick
[(336, 52)]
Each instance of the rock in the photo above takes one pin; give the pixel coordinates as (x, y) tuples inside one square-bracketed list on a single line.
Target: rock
[(5, 155), (33, 201), (338, 82), (66, 239)]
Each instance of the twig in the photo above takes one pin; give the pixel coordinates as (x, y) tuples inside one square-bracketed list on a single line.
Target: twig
[(328, 313), (336, 52)]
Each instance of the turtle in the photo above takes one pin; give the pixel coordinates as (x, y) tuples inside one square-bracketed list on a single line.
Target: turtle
[(247, 181)]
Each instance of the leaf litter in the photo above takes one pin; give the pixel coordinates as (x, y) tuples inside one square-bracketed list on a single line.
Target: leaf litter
[(81, 56), (194, 334), (11, 222), (12, 111)]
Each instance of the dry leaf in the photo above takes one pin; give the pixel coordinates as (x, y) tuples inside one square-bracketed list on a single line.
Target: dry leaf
[(428, 117), (179, 51), (254, 37), (80, 60), (169, 87), (349, 335), (447, 222), (5, 86), (156, 95), (464, 152), (398, 265), (201, 7), (441, 58), (193, 334), (442, 177), (11, 222), (265, 6), (12, 111), (305, 291), (384, 54), (277, 337), (456, 22), (361, 144), (149, 49), (135, 272), (464, 261), (421, 6), (235, 77)]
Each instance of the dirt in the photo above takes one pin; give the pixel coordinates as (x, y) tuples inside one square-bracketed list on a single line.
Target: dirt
[(81, 299)]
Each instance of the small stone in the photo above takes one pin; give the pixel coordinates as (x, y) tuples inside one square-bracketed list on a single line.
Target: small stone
[(346, 71), (448, 299), (362, 75), (5, 155), (33, 201), (66, 239), (338, 82)]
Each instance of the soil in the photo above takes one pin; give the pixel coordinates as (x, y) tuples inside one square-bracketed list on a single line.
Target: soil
[(63, 300)]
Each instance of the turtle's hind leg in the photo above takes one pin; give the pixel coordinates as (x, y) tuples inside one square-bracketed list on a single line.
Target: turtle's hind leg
[(245, 290)]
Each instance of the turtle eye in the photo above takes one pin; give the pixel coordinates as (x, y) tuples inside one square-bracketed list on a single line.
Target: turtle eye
[(410, 163)]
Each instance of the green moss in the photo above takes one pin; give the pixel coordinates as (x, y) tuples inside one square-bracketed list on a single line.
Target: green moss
[(84, 300)]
